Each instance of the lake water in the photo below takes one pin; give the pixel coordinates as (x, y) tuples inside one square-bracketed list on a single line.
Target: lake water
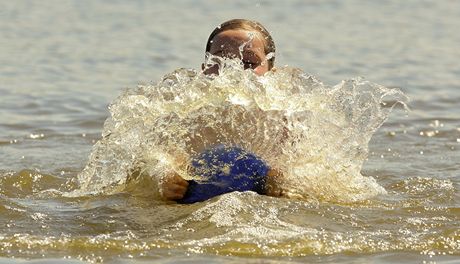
[(63, 62)]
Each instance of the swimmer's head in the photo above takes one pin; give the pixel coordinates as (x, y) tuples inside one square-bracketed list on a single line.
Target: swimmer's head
[(244, 39)]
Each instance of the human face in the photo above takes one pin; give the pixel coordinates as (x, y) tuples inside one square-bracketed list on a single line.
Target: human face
[(227, 44)]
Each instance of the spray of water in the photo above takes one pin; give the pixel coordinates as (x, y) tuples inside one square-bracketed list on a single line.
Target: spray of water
[(315, 134)]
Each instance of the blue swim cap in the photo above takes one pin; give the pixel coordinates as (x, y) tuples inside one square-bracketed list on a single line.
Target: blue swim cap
[(225, 169)]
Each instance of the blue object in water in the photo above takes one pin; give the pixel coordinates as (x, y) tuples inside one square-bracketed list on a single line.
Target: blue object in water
[(225, 169)]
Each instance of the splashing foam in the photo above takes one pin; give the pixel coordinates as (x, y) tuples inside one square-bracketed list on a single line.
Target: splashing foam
[(316, 135)]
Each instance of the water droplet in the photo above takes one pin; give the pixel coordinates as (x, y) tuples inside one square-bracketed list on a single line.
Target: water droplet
[(179, 116), (35, 136), (270, 55), (436, 123)]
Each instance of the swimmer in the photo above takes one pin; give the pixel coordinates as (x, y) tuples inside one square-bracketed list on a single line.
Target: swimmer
[(257, 54)]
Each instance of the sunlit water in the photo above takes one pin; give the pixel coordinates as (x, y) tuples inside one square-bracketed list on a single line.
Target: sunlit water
[(368, 181)]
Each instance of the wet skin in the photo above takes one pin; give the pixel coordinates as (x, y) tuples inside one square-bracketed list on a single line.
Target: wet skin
[(227, 45)]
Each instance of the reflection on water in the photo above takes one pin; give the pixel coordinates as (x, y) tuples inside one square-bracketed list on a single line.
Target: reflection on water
[(62, 63)]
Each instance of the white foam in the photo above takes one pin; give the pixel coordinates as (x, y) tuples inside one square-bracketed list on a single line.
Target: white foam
[(316, 134)]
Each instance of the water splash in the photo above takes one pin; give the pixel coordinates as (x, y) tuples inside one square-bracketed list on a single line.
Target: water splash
[(315, 134)]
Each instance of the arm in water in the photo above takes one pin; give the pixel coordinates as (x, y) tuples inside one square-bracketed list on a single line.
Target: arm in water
[(272, 183), (173, 187)]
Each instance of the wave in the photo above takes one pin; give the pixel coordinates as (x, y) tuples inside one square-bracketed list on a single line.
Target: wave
[(317, 135)]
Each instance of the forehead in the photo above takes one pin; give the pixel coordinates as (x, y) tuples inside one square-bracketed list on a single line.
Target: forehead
[(231, 39)]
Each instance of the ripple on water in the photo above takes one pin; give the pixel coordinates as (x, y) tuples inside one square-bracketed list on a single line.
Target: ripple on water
[(28, 182)]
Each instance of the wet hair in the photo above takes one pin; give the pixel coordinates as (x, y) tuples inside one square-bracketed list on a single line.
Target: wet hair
[(269, 44)]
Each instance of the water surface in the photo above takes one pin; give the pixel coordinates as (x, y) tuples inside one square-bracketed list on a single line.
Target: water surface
[(62, 63)]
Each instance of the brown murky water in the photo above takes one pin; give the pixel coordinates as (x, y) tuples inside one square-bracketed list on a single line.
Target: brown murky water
[(62, 63)]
